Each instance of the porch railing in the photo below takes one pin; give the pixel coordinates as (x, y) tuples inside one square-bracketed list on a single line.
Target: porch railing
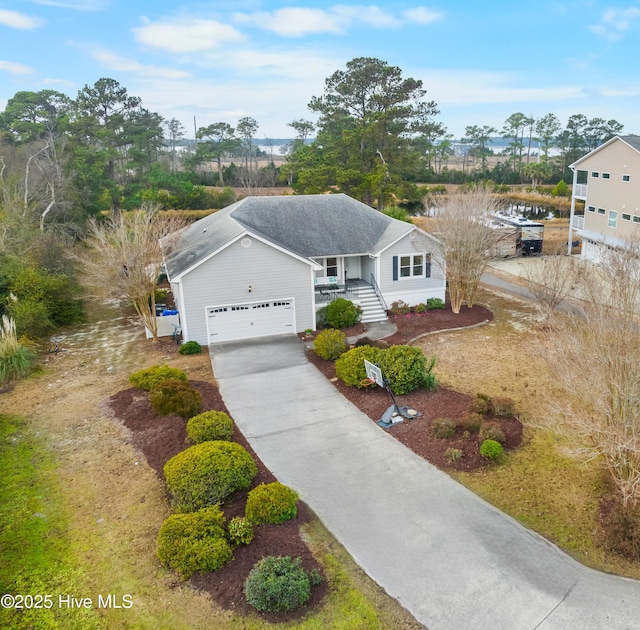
[(580, 190), (376, 288), (578, 222), (328, 293)]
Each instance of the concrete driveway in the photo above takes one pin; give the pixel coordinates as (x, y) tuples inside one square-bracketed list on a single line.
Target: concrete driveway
[(451, 559)]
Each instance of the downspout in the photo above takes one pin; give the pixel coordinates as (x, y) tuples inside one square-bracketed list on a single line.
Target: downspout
[(573, 208)]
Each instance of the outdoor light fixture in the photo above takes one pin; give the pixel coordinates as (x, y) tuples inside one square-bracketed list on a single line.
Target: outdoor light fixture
[(250, 288)]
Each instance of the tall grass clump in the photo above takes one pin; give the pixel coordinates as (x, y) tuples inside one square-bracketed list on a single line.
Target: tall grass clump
[(16, 360)]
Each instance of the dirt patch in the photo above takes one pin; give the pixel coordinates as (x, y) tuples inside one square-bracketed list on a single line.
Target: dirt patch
[(161, 437)]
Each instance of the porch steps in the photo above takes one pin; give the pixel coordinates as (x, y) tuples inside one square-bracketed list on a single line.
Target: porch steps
[(372, 310)]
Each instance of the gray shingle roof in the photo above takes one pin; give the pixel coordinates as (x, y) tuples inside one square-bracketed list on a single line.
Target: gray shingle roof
[(634, 141), (306, 225)]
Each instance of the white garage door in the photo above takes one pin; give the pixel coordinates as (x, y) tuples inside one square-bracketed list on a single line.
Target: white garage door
[(245, 321)]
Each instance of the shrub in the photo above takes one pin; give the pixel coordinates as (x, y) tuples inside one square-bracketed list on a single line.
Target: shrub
[(277, 584), (473, 422), (400, 308), (621, 528), (420, 308), (406, 369), (330, 344), (342, 313), (209, 426), (16, 360), (32, 318), (190, 347), (491, 431), (376, 343), (395, 212), (561, 189), (434, 304), (350, 366), (321, 317), (240, 531), (482, 404), (443, 428), (452, 455), (205, 474), (195, 542), (490, 449), (152, 376), (271, 503), (504, 408), (175, 396), (160, 295)]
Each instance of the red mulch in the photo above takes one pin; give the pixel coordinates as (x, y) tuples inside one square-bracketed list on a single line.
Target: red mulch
[(415, 324), (160, 438), (442, 403)]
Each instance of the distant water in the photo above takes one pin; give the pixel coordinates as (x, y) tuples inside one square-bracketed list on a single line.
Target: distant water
[(536, 212)]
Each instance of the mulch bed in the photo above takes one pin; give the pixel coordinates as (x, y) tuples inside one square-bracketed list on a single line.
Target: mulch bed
[(442, 403), (161, 437)]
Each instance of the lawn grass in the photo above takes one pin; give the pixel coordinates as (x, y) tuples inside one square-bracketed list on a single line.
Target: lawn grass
[(541, 484), (34, 544)]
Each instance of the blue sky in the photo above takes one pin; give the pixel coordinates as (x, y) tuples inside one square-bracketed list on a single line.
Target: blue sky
[(220, 61)]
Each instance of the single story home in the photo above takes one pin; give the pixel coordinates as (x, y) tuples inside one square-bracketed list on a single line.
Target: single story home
[(265, 265)]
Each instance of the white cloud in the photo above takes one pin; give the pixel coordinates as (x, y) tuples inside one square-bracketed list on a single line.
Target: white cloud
[(422, 15), (337, 19), (293, 21), (615, 23), (77, 5), (465, 87), (620, 92), (22, 21), (15, 68), (185, 35), (113, 61), (63, 82)]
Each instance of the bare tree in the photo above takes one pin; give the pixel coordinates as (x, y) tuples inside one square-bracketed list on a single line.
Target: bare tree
[(550, 280), (594, 352), (123, 258), (463, 226)]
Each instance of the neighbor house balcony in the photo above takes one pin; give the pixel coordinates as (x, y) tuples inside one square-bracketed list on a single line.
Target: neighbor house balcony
[(577, 222), (580, 191)]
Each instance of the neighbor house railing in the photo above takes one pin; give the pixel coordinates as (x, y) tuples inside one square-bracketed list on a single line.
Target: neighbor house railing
[(580, 190), (578, 222)]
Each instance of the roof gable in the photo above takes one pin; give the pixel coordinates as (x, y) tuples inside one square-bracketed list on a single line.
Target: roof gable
[(307, 226), (631, 141)]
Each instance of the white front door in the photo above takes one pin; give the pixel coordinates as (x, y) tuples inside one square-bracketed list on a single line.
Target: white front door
[(246, 321)]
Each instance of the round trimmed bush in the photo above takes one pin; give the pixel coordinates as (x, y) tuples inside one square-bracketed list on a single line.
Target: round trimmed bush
[(205, 474), (406, 369), (330, 344), (175, 396), (342, 313), (195, 542), (490, 449), (190, 347), (271, 503), (277, 584), (152, 376), (350, 366), (435, 304), (491, 431), (443, 428), (209, 426), (240, 531)]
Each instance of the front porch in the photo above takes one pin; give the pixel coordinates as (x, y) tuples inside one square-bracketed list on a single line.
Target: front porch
[(359, 292)]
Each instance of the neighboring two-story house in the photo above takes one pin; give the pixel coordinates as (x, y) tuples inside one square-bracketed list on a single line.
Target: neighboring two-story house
[(608, 181)]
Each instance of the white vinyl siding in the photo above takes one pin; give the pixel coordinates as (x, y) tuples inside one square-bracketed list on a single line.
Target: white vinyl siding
[(225, 279), (412, 289)]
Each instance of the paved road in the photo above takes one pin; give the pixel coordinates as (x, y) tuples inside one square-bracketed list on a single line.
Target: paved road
[(451, 559)]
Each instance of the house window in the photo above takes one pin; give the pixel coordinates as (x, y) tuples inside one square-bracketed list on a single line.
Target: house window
[(636, 218), (591, 208), (606, 175), (411, 266), (595, 174), (626, 178), (613, 219), (601, 211), (626, 217)]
